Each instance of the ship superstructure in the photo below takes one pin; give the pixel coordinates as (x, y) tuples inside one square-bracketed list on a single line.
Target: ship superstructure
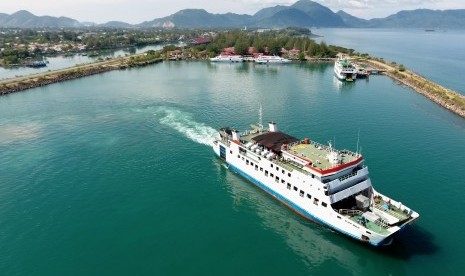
[(344, 69), (326, 185)]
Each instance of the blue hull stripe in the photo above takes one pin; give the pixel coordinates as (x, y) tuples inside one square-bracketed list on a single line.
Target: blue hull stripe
[(295, 207)]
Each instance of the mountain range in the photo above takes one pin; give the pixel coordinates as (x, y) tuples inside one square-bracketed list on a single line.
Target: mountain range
[(303, 13)]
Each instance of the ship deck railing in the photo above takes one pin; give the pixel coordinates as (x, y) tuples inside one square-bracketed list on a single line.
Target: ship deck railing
[(391, 210), (350, 212), (356, 216)]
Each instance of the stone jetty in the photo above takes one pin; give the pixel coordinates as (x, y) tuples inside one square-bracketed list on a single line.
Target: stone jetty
[(17, 84)]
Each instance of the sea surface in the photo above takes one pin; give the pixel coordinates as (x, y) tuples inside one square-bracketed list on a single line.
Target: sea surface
[(437, 55), (113, 174)]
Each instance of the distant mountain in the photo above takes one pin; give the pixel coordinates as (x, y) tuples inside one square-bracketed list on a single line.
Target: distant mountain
[(352, 21), (321, 15), (115, 24), (303, 13), (286, 18), (268, 12), (25, 19), (199, 18), (421, 18)]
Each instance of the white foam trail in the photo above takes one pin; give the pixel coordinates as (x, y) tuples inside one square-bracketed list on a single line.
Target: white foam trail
[(183, 123)]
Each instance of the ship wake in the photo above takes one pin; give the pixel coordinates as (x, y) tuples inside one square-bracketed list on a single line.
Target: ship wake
[(184, 123)]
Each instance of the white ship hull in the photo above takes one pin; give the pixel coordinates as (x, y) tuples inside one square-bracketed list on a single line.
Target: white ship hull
[(344, 70), (309, 197), (270, 60), (227, 58)]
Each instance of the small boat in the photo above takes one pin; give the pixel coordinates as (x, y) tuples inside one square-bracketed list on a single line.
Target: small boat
[(264, 59), (227, 58), (36, 64)]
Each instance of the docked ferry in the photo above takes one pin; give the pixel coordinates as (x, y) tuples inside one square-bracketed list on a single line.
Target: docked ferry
[(264, 59), (227, 58), (344, 69), (329, 186)]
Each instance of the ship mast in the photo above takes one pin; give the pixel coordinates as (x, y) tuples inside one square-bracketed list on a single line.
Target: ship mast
[(260, 118)]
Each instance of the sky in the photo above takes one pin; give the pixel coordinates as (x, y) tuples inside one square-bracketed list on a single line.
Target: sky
[(137, 11)]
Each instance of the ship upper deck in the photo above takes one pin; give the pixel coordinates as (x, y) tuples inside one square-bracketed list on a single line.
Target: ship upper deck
[(322, 157), (315, 156)]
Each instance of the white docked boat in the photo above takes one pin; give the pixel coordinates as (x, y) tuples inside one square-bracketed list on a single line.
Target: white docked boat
[(328, 186), (264, 59), (227, 58), (344, 69)]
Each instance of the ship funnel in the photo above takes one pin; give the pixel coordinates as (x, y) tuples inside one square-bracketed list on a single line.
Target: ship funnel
[(235, 135), (272, 127)]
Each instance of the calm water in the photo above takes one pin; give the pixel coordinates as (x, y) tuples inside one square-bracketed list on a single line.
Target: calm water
[(111, 174), (437, 55), (60, 62)]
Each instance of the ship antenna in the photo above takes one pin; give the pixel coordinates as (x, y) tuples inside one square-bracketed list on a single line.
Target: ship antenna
[(260, 117)]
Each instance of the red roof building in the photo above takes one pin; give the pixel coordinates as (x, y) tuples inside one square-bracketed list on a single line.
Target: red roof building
[(200, 40)]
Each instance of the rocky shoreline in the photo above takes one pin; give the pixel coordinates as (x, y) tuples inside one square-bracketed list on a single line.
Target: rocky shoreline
[(18, 84), (447, 98)]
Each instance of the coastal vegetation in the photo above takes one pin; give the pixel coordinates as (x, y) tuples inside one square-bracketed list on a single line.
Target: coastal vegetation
[(17, 46), (271, 42)]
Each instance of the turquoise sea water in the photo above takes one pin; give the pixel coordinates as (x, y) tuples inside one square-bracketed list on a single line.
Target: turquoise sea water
[(112, 174), (438, 55)]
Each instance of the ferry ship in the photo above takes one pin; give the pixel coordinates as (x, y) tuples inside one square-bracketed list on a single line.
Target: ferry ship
[(227, 58), (344, 69), (263, 59), (328, 186)]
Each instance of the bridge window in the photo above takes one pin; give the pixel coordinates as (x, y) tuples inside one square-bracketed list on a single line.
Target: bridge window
[(295, 188), (301, 193), (309, 196), (288, 186), (324, 204), (266, 173), (289, 174), (283, 171), (315, 201)]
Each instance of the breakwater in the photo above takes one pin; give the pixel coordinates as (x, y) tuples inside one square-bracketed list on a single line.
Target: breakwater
[(18, 84), (447, 98)]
